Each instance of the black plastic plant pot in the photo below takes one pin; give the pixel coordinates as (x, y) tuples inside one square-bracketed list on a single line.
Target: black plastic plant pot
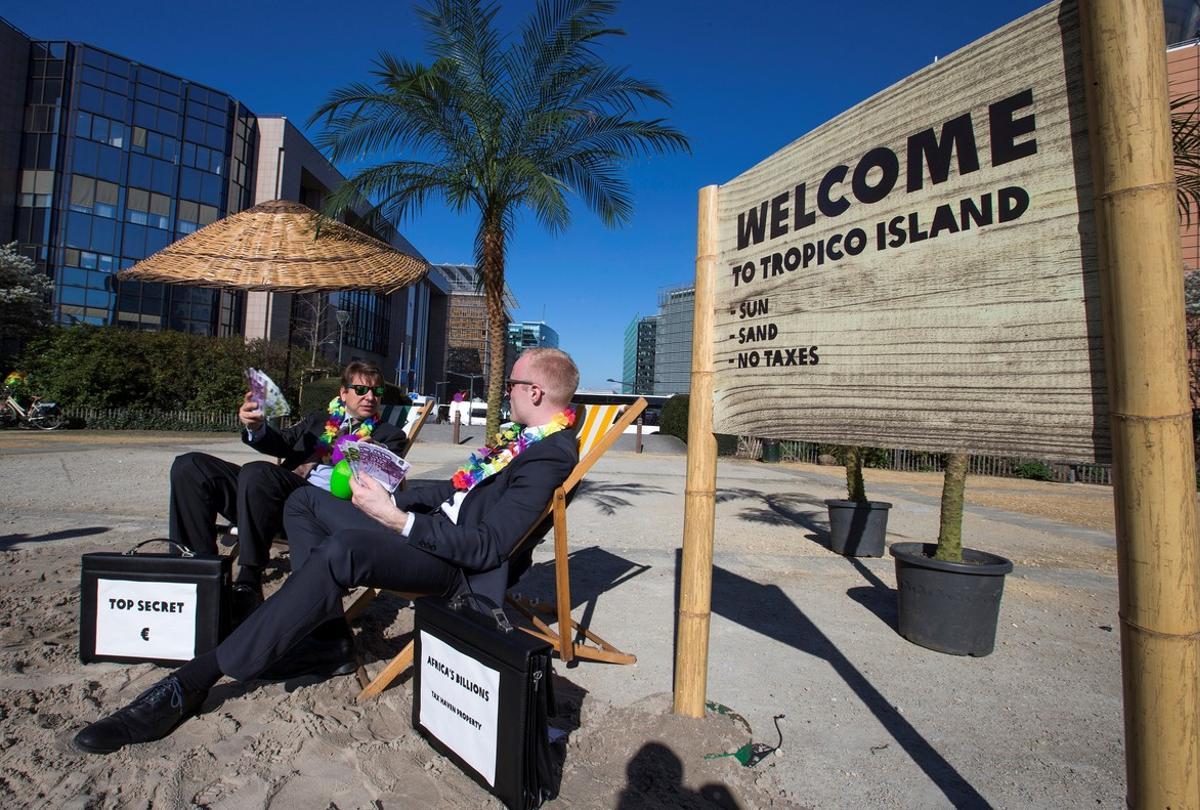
[(945, 606), (857, 529)]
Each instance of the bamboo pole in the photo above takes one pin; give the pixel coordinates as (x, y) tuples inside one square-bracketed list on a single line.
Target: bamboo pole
[(1154, 489), (699, 506)]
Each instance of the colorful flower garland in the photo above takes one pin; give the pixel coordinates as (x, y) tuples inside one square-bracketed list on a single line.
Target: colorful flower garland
[(510, 443), (333, 428)]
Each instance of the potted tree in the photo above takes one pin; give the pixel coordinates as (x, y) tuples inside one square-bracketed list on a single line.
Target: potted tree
[(857, 526), (948, 596)]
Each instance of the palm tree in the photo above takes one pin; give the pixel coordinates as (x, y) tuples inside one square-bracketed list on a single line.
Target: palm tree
[(497, 125), (1185, 146)]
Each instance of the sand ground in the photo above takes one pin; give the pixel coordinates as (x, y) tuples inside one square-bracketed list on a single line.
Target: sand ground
[(869, 720)]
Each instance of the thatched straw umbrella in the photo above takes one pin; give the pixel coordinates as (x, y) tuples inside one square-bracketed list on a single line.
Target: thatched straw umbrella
[(280, 246)]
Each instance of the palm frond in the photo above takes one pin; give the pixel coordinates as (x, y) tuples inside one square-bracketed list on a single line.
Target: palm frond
[(1185, 143)]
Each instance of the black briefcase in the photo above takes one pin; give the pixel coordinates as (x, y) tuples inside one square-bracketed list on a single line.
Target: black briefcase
[(162, 608), (482, 694)]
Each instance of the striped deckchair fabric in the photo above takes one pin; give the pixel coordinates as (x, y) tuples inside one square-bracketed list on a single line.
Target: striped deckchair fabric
[(596, 421), (596, 432)]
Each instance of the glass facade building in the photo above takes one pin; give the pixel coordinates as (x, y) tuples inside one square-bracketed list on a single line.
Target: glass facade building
[(531, 335), (117, 160), (673, 340), (637, 370)]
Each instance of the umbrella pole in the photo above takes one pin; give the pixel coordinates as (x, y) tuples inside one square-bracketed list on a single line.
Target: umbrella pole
[(287, 358)]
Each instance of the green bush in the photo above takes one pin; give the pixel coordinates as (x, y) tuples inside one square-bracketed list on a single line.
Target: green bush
[(111, 367), (674, 420), (1034, 470)]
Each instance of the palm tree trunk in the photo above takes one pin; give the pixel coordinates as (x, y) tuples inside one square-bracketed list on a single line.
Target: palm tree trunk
[(949, 546), (491, 265), (855, 489)]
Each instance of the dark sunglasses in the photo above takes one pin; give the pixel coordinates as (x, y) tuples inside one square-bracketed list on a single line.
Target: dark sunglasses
[(362, 390), (508, 384)]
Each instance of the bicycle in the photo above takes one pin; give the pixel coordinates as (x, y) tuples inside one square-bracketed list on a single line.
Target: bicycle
[(39, 414)]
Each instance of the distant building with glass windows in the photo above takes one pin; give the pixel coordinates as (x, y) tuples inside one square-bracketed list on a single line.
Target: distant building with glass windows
[(637, 370), (104, 161), (468, 359), (532, 335), (116, 161), (673, 340)]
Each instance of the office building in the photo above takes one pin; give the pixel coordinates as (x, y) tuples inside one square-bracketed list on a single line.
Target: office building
[(117, 160), (532, 335), (673, 340), (468, 352), (637, 370), (104, 161)]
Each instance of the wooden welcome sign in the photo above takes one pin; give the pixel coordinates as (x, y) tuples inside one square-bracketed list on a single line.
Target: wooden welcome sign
[(920, 272)]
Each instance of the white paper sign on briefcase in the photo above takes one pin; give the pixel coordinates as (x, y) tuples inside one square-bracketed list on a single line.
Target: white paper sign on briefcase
[(460, 699), (151, 620)]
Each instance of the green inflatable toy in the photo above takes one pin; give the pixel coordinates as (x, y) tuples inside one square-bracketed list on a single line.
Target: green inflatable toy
[(339, 480)]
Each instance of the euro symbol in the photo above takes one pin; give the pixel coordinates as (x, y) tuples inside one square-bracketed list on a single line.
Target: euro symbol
[(145, 634)]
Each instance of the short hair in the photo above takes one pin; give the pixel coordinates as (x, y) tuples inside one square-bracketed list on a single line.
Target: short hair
[(557, 373), (360, 369)]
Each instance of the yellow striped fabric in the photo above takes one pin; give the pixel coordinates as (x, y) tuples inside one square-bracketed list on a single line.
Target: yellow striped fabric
[(597, 419)]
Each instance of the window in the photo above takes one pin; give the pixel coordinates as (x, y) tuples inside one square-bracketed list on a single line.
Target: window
[(91, 99), (106, 199), (162, 177), (137, 205), (79, 230), (208, 215), (108, 165), (84, 158), (83, 193)]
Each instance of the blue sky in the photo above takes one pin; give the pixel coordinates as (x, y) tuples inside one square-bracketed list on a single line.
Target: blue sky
[(744, 80)]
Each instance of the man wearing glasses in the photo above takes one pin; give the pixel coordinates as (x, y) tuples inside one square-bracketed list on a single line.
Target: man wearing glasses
[(446, 538), (252, 495)]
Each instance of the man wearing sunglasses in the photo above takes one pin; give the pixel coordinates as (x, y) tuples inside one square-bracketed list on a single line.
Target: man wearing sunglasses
[(252, 495), (445, 538)]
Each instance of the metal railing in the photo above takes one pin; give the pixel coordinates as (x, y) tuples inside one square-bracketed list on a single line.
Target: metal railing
[(919, 461)]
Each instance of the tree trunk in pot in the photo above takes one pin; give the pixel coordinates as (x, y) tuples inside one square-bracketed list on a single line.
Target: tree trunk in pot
[(949, 545)]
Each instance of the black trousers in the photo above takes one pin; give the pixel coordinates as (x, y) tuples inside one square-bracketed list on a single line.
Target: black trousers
[(250, 496), (334, 547)]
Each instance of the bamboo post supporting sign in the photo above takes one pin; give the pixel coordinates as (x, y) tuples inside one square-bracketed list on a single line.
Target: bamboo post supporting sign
[(923, 272)]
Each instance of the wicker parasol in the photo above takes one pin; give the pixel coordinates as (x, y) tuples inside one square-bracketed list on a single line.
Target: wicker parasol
[(275, 247)]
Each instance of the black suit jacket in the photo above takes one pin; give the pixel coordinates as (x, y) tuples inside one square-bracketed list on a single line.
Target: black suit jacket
[(494, 516), (296, 444)]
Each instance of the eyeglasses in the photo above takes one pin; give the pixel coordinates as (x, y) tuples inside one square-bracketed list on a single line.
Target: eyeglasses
[(362, 390), (508, 384)]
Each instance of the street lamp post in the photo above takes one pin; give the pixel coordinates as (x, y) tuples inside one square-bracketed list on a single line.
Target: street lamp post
[(633, 385), (343, 318)]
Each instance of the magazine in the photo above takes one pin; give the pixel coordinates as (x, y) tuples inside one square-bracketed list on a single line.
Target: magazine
[(376, 461), (266, 393)]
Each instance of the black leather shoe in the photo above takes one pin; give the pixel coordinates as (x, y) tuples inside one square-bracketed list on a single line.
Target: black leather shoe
[(244, 600), (152, 715), (311, 656)]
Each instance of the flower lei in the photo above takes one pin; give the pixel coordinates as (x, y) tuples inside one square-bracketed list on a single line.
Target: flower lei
[(333, 427), (510, 443)]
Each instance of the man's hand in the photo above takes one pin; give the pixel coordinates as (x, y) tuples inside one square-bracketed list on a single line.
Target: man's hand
[(376, 502), (250, 414)]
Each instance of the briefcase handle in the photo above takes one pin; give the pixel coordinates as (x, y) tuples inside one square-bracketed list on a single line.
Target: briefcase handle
[(183, 552), (495, 611)]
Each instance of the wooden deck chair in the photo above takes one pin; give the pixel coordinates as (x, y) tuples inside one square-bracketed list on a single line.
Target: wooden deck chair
[(597, 433), (413, 422)]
